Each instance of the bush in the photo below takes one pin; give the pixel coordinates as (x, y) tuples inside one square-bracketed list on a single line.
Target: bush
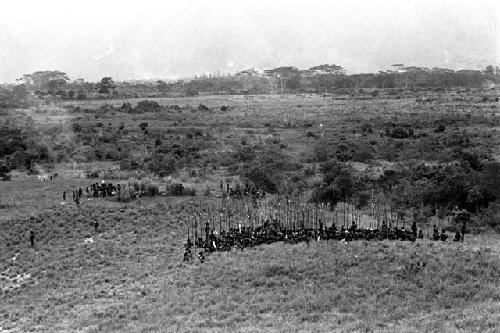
[(367, 128), (203, 107), (147, 106), (179, 190), (4, 170), (440, 129), (363, 154), (142, 187), (190, 92), (162, 165), (399, 133), (77, 128), (489, 217), (263, 178), (308, 172)]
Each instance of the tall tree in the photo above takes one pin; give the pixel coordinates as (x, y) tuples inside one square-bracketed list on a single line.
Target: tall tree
[(107, 85), (40, 80), (328, 69)]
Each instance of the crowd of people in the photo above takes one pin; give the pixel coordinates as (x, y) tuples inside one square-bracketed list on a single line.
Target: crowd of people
[(238, 192), (95, 190), (272, 231)]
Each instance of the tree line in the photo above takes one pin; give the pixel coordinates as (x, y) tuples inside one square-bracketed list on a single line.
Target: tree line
[(326, 78)]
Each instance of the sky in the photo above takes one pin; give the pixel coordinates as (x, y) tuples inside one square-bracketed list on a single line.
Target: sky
[(148, 39)]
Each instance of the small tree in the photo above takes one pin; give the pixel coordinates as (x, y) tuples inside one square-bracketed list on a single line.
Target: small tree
[(4, 170), (106, 85)]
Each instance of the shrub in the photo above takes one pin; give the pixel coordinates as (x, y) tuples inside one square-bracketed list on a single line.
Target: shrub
[(399, 133), (190, 92), (309, 171), (363, 154), (179, 190), (162, 165), (77, 128), (367, 128), (4, 170), (440, 129), (203, 107), (142, 187), (147, 106)]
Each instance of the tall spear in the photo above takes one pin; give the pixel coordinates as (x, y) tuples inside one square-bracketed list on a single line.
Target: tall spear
[(220, 222), (229, 217), (186, 218), (303, 218), (344, 208), (195, 224)]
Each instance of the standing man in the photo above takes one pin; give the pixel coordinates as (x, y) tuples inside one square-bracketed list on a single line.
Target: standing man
[(207, 234), (435, 233), (414, 229), (32, 238)]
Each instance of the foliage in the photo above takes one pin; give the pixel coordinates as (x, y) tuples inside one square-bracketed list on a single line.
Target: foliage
[(145, 106), (4, 172), (106, 86)]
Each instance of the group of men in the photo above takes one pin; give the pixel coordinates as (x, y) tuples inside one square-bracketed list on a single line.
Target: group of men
[(272, 231), (95, 190), (238, 192), (442, 236), (103, 190), (76, 195)]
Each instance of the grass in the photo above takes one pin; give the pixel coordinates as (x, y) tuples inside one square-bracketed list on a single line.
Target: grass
[(129, 276), (131, 279)]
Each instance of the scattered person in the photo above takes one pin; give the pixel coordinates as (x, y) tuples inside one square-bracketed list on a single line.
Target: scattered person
[(32, 238), (414, 228), (435, 233), (443, 236), (420, 234)]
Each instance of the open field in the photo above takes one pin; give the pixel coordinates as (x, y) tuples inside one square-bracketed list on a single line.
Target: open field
[(129, 276)]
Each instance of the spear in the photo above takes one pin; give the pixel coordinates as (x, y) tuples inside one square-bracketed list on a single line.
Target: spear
[(195, 224), (186, 218), (229, 217), (307, 220), (303, 218), (220, 222), (344, 208)]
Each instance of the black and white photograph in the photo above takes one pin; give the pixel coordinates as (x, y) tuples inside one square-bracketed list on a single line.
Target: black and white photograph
[(232, 166)]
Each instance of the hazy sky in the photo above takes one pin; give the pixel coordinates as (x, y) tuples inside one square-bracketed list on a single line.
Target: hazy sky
[(171, 39)]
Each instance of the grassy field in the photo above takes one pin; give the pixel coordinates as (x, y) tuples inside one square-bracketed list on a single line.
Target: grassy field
[(129, 276)]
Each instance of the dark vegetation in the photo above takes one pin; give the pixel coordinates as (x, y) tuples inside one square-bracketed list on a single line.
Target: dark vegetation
[(287, 79), (434, 147)]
